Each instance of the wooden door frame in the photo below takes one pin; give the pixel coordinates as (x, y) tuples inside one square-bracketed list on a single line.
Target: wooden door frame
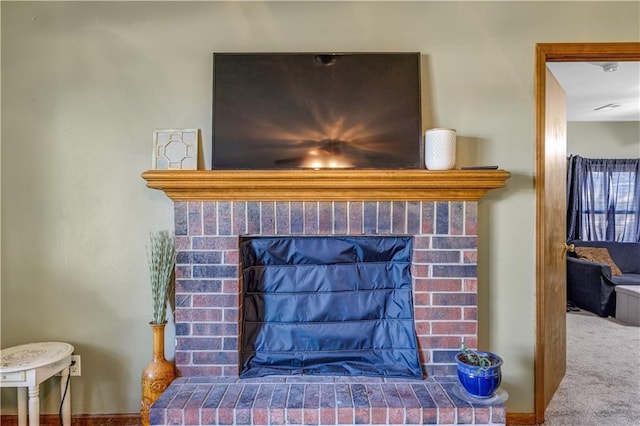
[(557, 52)]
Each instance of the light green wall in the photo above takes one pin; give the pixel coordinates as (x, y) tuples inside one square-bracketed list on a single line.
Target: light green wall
[(601, 139), (84, 85)]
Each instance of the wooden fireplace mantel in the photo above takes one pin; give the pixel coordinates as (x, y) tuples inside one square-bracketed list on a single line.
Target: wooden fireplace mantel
[(325, 185)]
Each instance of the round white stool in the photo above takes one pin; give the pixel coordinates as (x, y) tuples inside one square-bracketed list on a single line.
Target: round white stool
[(26, 366)]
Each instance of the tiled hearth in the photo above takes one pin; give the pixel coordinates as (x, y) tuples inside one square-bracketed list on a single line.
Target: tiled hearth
[(207, 316)]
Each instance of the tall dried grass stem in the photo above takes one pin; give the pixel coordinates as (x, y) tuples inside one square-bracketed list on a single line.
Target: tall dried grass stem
[(161, 254)]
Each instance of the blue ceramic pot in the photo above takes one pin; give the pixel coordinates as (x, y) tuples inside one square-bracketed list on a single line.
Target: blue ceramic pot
[(478, 382)]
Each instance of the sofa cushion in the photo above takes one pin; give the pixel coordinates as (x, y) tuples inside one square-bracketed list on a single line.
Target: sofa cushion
[(598, 255), (626, 279), (625, 255)]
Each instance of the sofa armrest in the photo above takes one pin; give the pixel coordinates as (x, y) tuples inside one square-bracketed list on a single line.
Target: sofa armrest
[(589, 286), (586, 268)]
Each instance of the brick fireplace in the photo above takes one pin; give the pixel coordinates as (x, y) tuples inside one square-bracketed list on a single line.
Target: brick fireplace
[(208, 226), (207, 287)]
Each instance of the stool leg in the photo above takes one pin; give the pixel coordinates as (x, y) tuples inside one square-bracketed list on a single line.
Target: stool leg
[(22, 406), (66, 402), (34, 405)]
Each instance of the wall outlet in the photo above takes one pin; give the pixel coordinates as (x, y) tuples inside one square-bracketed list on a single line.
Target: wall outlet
[(75, 370)]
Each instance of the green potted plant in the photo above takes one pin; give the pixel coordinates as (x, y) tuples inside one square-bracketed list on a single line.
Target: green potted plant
[(159, 373), (479, 372)]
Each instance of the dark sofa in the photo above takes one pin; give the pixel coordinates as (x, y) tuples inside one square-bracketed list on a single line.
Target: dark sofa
[(590, 285)]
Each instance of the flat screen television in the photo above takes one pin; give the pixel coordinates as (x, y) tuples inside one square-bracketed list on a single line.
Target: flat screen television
[(316, 110)]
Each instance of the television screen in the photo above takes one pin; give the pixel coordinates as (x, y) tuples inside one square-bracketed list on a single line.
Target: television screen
[(316, 110)]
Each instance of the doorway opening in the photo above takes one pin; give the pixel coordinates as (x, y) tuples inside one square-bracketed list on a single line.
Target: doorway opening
[(550, 320)]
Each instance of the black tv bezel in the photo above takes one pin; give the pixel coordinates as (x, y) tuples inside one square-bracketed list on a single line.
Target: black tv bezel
[(420, 140)]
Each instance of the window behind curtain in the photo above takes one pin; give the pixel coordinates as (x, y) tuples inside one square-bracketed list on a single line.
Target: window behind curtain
[(603, 199)]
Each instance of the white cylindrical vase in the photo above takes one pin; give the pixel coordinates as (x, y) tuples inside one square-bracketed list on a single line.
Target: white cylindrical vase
[(440, 149)]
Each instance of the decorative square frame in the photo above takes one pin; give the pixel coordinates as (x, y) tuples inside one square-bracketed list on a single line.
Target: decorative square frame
[(175, 149)]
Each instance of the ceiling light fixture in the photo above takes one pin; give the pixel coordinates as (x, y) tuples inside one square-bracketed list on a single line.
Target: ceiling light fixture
[(610, 67), (607, 107)]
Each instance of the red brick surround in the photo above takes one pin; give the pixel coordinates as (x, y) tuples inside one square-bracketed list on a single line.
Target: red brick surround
[(207, 317), (207, 286)]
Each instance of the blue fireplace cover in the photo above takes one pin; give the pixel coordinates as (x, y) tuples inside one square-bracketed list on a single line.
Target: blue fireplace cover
[(339, 306)]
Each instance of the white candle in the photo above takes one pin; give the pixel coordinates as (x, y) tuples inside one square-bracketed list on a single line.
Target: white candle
[(440, 149)]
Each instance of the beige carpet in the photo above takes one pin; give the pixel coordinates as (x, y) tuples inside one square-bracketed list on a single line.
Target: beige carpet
[(602, 384)]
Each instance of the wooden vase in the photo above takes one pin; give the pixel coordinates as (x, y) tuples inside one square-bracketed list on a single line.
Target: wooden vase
[(157, 375)]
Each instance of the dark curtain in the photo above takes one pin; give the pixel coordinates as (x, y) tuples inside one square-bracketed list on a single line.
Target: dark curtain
[(603, 199)]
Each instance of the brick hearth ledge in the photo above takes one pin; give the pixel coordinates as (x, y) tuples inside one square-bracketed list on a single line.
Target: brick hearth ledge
[(304, 400)]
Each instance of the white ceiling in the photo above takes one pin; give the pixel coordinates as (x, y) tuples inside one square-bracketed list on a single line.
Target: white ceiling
[(589, 87)]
